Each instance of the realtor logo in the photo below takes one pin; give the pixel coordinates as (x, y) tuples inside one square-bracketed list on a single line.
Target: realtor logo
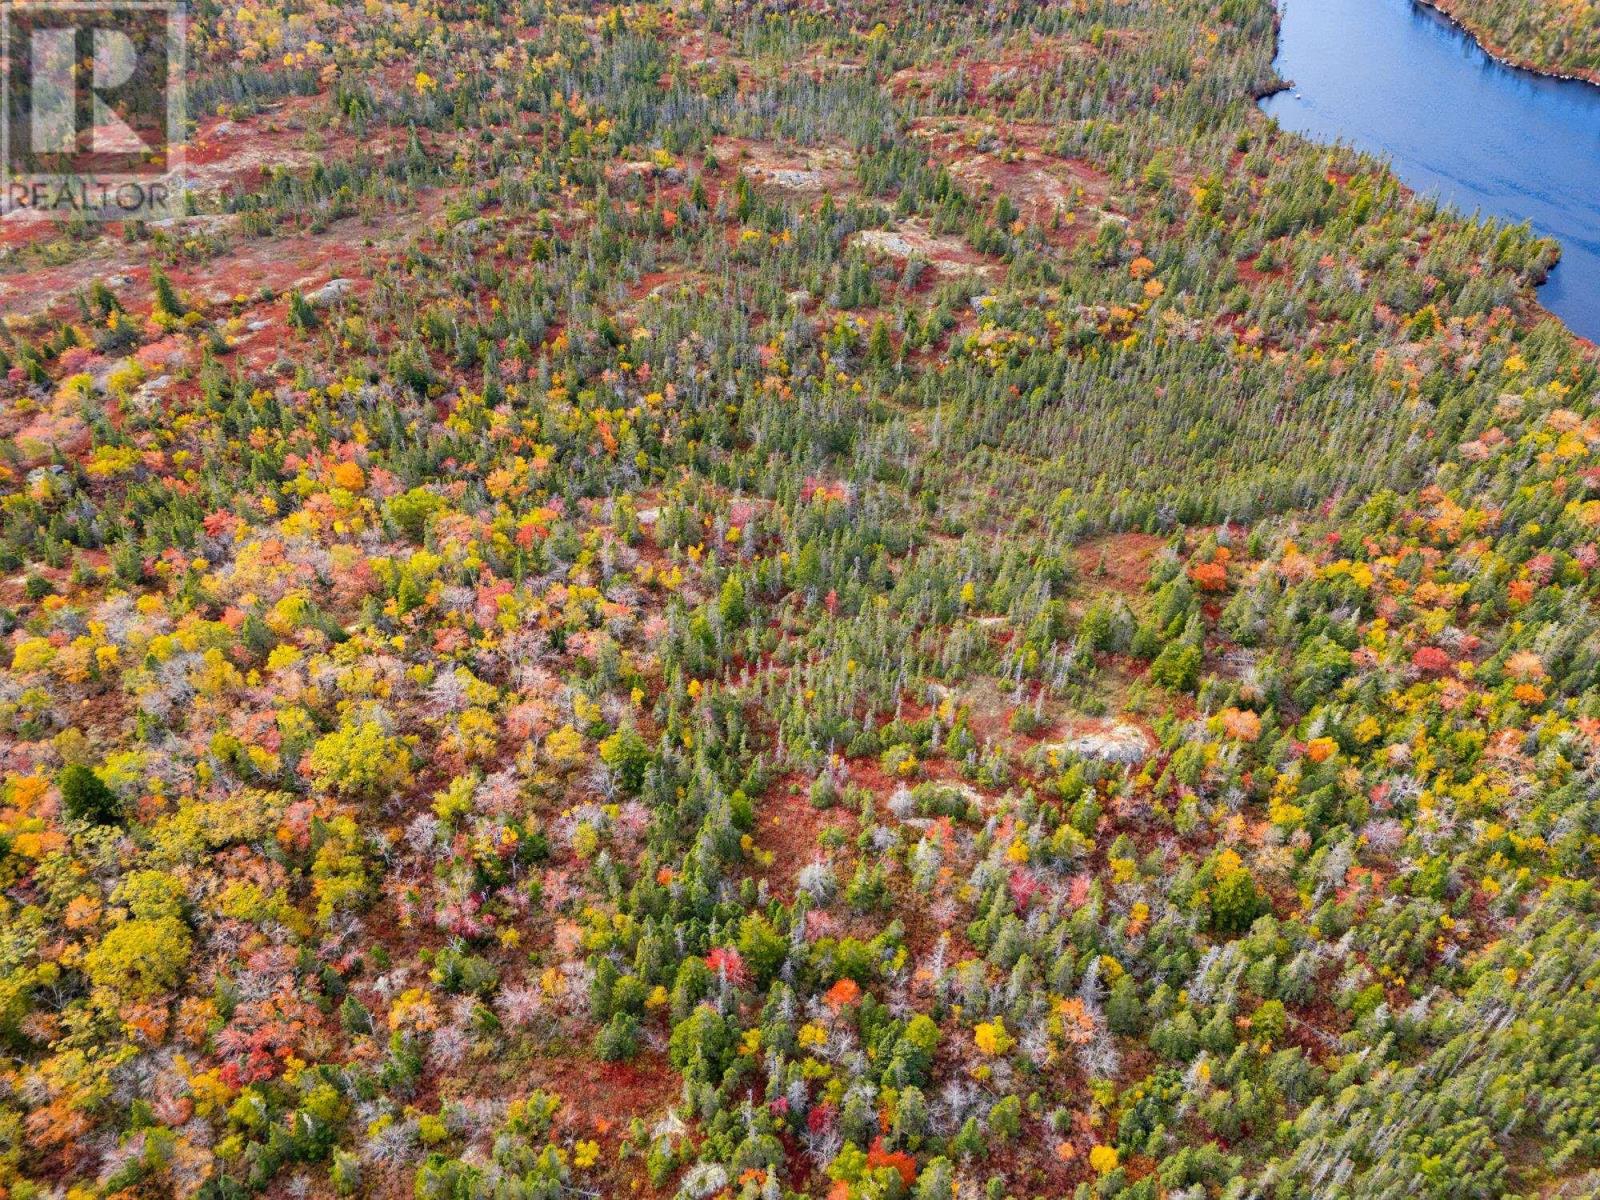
[(92, 121)]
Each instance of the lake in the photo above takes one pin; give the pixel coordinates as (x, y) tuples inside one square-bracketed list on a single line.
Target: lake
[(1396, 79)]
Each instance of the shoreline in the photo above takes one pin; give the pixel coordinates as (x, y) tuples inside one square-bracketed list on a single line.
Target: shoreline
[(1511, 63), (1444, 8), (1284, 84)]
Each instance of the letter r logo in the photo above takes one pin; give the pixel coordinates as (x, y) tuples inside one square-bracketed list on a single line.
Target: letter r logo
[(59, 113), (93, 95)]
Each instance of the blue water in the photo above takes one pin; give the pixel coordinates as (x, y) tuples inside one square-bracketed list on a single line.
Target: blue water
[(1397, 80)]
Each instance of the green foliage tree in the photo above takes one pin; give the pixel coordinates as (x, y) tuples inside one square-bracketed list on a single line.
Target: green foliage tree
[(85, 796)]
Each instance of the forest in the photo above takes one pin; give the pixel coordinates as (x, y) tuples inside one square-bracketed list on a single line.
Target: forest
[(881, 601)]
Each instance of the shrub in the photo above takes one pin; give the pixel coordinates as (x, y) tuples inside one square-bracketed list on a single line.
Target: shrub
[(760, 947), (410, 511), (85, 797), (1005, 1118), (457, 971), (628, 756), (1236, 902), (140, 958), (151, 895), (701, 1045), (345, 1174), (618, 1039), (360, 761), (1177, 666)]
